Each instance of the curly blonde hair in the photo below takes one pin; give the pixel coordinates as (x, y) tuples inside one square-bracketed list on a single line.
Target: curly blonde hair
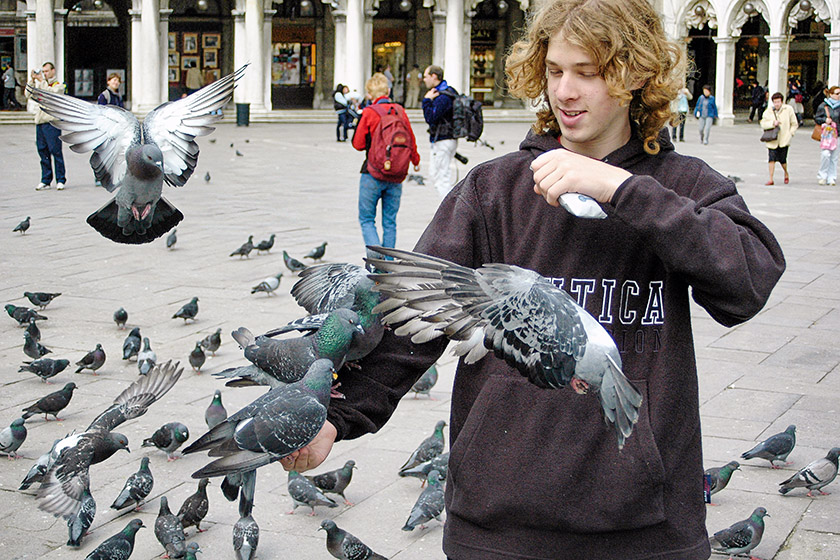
[(627, 42)]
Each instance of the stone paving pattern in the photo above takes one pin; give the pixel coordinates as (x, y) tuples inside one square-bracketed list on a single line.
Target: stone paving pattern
[(294, 180)]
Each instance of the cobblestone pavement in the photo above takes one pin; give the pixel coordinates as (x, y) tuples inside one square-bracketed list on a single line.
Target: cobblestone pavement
[(296, 181)]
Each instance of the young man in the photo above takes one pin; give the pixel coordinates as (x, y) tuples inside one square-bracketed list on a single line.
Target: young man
[(706, 111), (46, 135), (536, 473), (111, 94), (437, 110)]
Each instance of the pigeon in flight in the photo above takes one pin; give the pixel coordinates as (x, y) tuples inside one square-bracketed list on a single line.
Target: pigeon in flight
[(22, 227), (317, 253), (775, 448), (741, 537), (815, 475), (521, 316), (93, 360), (52, 403), (135, 159)]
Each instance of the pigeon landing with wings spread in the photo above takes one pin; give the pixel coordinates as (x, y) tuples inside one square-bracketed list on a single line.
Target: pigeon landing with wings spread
[(521, 316), (135, 159)]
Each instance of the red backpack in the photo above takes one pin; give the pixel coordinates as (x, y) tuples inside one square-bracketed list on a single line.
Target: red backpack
[(391, 144)]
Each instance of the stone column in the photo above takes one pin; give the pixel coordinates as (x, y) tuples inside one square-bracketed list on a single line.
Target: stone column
[(44, 45), (466, 43), (135, 79), (59, 17), (725, 78), (32, 56), (164, 54), (354, 66), (438, 37), (833, 59), (367, 48), (239, 53), (778, 65), (453, 69), (267, 44), (340, 48), (150, 47), (320, 74), (254, 40)]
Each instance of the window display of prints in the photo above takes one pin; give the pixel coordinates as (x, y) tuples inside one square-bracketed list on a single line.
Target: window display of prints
[(189, 62), (285, 64), (210, 40), (174, 75), (211, 58), (190, 43), (83, 86)]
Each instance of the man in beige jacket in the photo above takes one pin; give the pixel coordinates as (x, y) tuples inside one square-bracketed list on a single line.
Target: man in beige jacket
[(46, 135), (783, 116)]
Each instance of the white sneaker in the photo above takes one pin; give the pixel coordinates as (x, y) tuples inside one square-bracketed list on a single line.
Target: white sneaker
[(59, 186), (821, 182), (42, 186), (832, 183)]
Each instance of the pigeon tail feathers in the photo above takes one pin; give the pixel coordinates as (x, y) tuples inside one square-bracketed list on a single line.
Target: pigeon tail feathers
[(104, 221)]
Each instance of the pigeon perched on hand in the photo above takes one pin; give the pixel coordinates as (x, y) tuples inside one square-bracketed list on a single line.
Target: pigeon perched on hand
[(169, 532), (246, 537), (33, 348), (146, 358), (120, 546), (41, 299), (428, 506), (172, 239), (168, 438), (775, 448), (137, 488), (244, 249), (93, 360), (335, 482), (12, 437), (79, 523), (195, 507), (423, 386), (741, 537), (292, 263), (131, 344), (421, 471), (523, 317), (188, 311), (136, 159), (317, 253), (345, 546), (23, 226), (815, 475), (268, 285), (52, 403), (304, 493), (429, 448), (120, 317), (197, 357), (23, 314), (211, 342), (265, 244), (720, 476), (215, 413), (45, 367)]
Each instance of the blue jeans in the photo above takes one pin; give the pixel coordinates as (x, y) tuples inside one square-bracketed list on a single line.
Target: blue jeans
[(705, 128), (344, 120), (48, 143), (370, 191)]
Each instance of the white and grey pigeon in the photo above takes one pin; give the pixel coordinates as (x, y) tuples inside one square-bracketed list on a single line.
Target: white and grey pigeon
[(12, 437), (741, 537), (814, 476), (775, 448), (212, 341), (429, 505), (345, 546), (536, 327), (304, 493), (268, 285), (136, 159), (79, 523), (146, 358), (169, 532), (246, 537), (137, 488)]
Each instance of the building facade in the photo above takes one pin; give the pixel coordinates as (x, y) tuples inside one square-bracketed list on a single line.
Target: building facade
[(299, 49)]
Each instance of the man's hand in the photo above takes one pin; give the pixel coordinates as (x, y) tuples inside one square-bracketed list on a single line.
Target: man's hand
[(417, 167), (313, 454), (560, 171), (431, 94)]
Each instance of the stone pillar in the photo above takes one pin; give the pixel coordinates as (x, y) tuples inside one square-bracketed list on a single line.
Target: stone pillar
[(466, 51), (367, 48), (163, 60), (60, 17), (267, 43), (320, 74), (240, 54), (777, 68), (32, 56), (354, 65), (340, 48), (150, 47), (254, 40), (725, 78), (453, 69), (438, 38), (135, 79), (833, 59), (44, 45)]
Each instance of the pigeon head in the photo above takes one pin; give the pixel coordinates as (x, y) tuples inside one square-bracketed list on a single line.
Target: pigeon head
[(135, 332), (164, 507), (133, 526), (118, 441), (193, 547), (833, 454), (146, 344), (145, 162), (328, 525), (69, 387), (10, 309), (17, 423), (182, 433), (759, 514), (439, 427), (319, 377), (144, 464), (61, 364), (341, 326), (791, 429), (202, 484), (351, 464), (434, 478)]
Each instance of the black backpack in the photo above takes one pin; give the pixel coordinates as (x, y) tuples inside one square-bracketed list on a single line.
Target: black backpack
[(467, 116)]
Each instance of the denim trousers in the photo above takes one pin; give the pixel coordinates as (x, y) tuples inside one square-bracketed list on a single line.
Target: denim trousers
[(48, 143), (828, 165), (371, 190), (705, 128), (344, 120)]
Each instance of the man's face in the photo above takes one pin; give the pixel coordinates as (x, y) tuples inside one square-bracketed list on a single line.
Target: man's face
[(114, 83), (48, 71), (430, 79), (592, 122), (777, 103)]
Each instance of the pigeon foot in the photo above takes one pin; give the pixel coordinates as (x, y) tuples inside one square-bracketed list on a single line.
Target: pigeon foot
[(579, 386)]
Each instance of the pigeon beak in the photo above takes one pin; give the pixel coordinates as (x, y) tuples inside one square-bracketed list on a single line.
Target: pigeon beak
[(360, 328)]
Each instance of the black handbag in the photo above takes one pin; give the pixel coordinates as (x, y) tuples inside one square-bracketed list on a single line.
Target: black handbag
[(770, 135)]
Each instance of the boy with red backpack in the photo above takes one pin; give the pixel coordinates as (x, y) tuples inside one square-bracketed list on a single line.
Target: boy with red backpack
[(384, 133)]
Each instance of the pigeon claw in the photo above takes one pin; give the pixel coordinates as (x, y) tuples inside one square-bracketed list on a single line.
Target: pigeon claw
[(135, 213), (579, 386)]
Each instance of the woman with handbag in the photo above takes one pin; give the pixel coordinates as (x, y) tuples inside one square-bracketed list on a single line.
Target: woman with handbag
[(826, 115), (782, 118)]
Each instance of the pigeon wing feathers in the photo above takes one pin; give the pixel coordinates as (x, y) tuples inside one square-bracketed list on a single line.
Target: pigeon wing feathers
[(326, 287), (737, 536)]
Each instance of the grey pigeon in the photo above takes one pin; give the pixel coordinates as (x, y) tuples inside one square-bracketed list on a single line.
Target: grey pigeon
[(52, 403), (720, 476), (69, 461), (12, 437), (265, 244), (244, 249), (345, 546), (317, 253), (421, 471), (523, 317), (419, 179), (273, 426), (135, 160), (146, 358), (429, 448), (79, 523), (428, 506), (741, 537), (192, 549), (118, 547), (292, 263), (32, 348), (423, 386), (197, 357), (168, 438), (42, 465), (45, 367), (23, 314), (287, 360), (137, 488), (131, 344), (246, 537), (240, 154), (93, 360), (23, 226), (172, 239), (268, 285), (188, 311), (215, 413), (33, 330), (207, 177), (120, 317), (195, 507), (304, 493), (211, 342), (41, 299), (169, 532), (775, 448), (815, 475), (335, 482)]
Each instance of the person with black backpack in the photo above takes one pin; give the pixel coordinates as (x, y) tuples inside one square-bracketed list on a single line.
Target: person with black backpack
[(342, 104), (384, 133), (437, 110)]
